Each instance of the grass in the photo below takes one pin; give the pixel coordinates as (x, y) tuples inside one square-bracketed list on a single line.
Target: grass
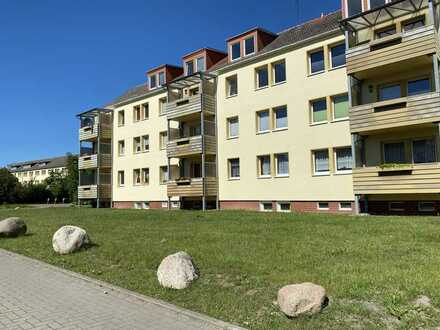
[(372, 267)]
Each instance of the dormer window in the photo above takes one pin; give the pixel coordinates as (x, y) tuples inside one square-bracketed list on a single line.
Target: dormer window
[(189, 68), (235, 51), (153, 82), (200, 64), (161, 78), (249, 46)]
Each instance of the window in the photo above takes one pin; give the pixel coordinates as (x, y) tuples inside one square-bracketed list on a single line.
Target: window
[(319, 111), (162, 105), (280, 117), (234, 168), (419, 86), (354, 7), (146, 205), (121, 178), (343, 160), (153, 81), (136, 177), (424, 151), (200, 64), (389, 92), (376, 3), (145, 176), (145, 143), (266, 206), (164, 205), (340, 107), (426, 206), (249, 46), (263, 121), (121, 118), (283, 207), (231, 86), (389, 31), (262, 77), (394, 153), (414, 24), (137, 145), (345, 206), (161, 78), (163, 174), (279, 72), (189, 68), (121, 147), (282, 164), (317, 61), (145, 111), (163, 139), (136, 113), (323, 206), (337, 56), (43, 172), (235, 51), (321, 162), (137, 205), (396, 206), (233, 127), (264, 166), (175, 205)]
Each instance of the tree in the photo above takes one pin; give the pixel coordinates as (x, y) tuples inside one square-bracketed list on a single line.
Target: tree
[(8, 186), (72, 177), (56, 184)]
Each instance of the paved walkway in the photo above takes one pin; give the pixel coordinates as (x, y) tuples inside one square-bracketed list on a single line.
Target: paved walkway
[(35, 295)]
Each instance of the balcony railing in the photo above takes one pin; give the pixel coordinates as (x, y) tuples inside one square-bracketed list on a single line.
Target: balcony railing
[(91, 161), (189, 105), (192, 187), (405, 111), (398, 179), (191, 146), (392, 49), (91, 191)]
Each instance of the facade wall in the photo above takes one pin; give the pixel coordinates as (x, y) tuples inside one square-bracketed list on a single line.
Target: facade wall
[(37, 176), (152, 159), (299, 139)]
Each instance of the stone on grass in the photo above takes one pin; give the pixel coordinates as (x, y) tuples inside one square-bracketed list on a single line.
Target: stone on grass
[(177, 271), (69, 239), (422, 301), (12, 227), (301, 299)]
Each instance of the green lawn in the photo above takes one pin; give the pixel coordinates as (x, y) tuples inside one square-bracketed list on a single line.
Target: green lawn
[(372, 267)]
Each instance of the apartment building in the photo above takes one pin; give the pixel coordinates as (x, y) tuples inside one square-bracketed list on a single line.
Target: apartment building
[(393, 74), (36, 171), (278, 121)]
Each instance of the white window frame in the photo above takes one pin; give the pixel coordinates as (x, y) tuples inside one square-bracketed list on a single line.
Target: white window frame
[(259, 131), (164, 205), (333, 107), (324, 173), (137, 205), (143, 182), (362, 4), (121, 151), (262, 209), (121, 174), (369, 4), (284, 211), (230, 177), (272, 67), (145, 205), (155, 79), (228, 120), (163, 137), (197, 64), (274, 113), (309, 55), (175, 204), (318, 207), (121, 114), (228, 88), (137, 174), (145, 111), (336, 161), (331, 57), (137, 113), (345, 208), (259, 168), (282, 175), (244, 45), (143, 138), (230, 51), (135, 149), (257, 77)]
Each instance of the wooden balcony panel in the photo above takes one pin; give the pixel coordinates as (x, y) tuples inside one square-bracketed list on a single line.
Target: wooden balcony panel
[(419, 42), (190, 105), (411, 179), (192, 187), (405, 111), (91, 192), (85, 162), (90, 133), (191, 146)]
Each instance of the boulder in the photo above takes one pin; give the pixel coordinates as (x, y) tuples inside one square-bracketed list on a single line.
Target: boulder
[(301, 299), (177, 271), (12, 227), (69, 239)]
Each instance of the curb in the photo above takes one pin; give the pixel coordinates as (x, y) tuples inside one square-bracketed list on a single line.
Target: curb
[(181, 312)]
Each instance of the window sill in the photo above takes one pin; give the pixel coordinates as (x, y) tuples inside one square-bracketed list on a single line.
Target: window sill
[(280, 129), (279, 83), (338, 67), (343, 173), (121, 125), (121, 186), (315, 73), (282, 176), (263, 132), (232, 137), (264, 177), (231, 96), (261, 88), (321, 174), (122, 155), (318, 123), (234, 179), (340, 119)]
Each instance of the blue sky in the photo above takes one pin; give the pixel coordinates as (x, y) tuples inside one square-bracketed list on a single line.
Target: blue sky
[(62, 57)]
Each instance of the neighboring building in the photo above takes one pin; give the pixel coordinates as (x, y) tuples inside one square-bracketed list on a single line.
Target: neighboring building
[(267, 126), (393, 69), (37, 171)]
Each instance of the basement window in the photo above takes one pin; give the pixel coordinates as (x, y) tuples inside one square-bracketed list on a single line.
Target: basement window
[(323, 206), (426, 206), (146, 205), (266, 206), (396, 206), (345, 206), (283, 207)]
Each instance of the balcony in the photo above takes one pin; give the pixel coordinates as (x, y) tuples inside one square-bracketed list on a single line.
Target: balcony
[(192, 145), (189, 105), (91, 191), (192, 187), (392, 49), (400, 179), (91, 161), (405, 111)]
